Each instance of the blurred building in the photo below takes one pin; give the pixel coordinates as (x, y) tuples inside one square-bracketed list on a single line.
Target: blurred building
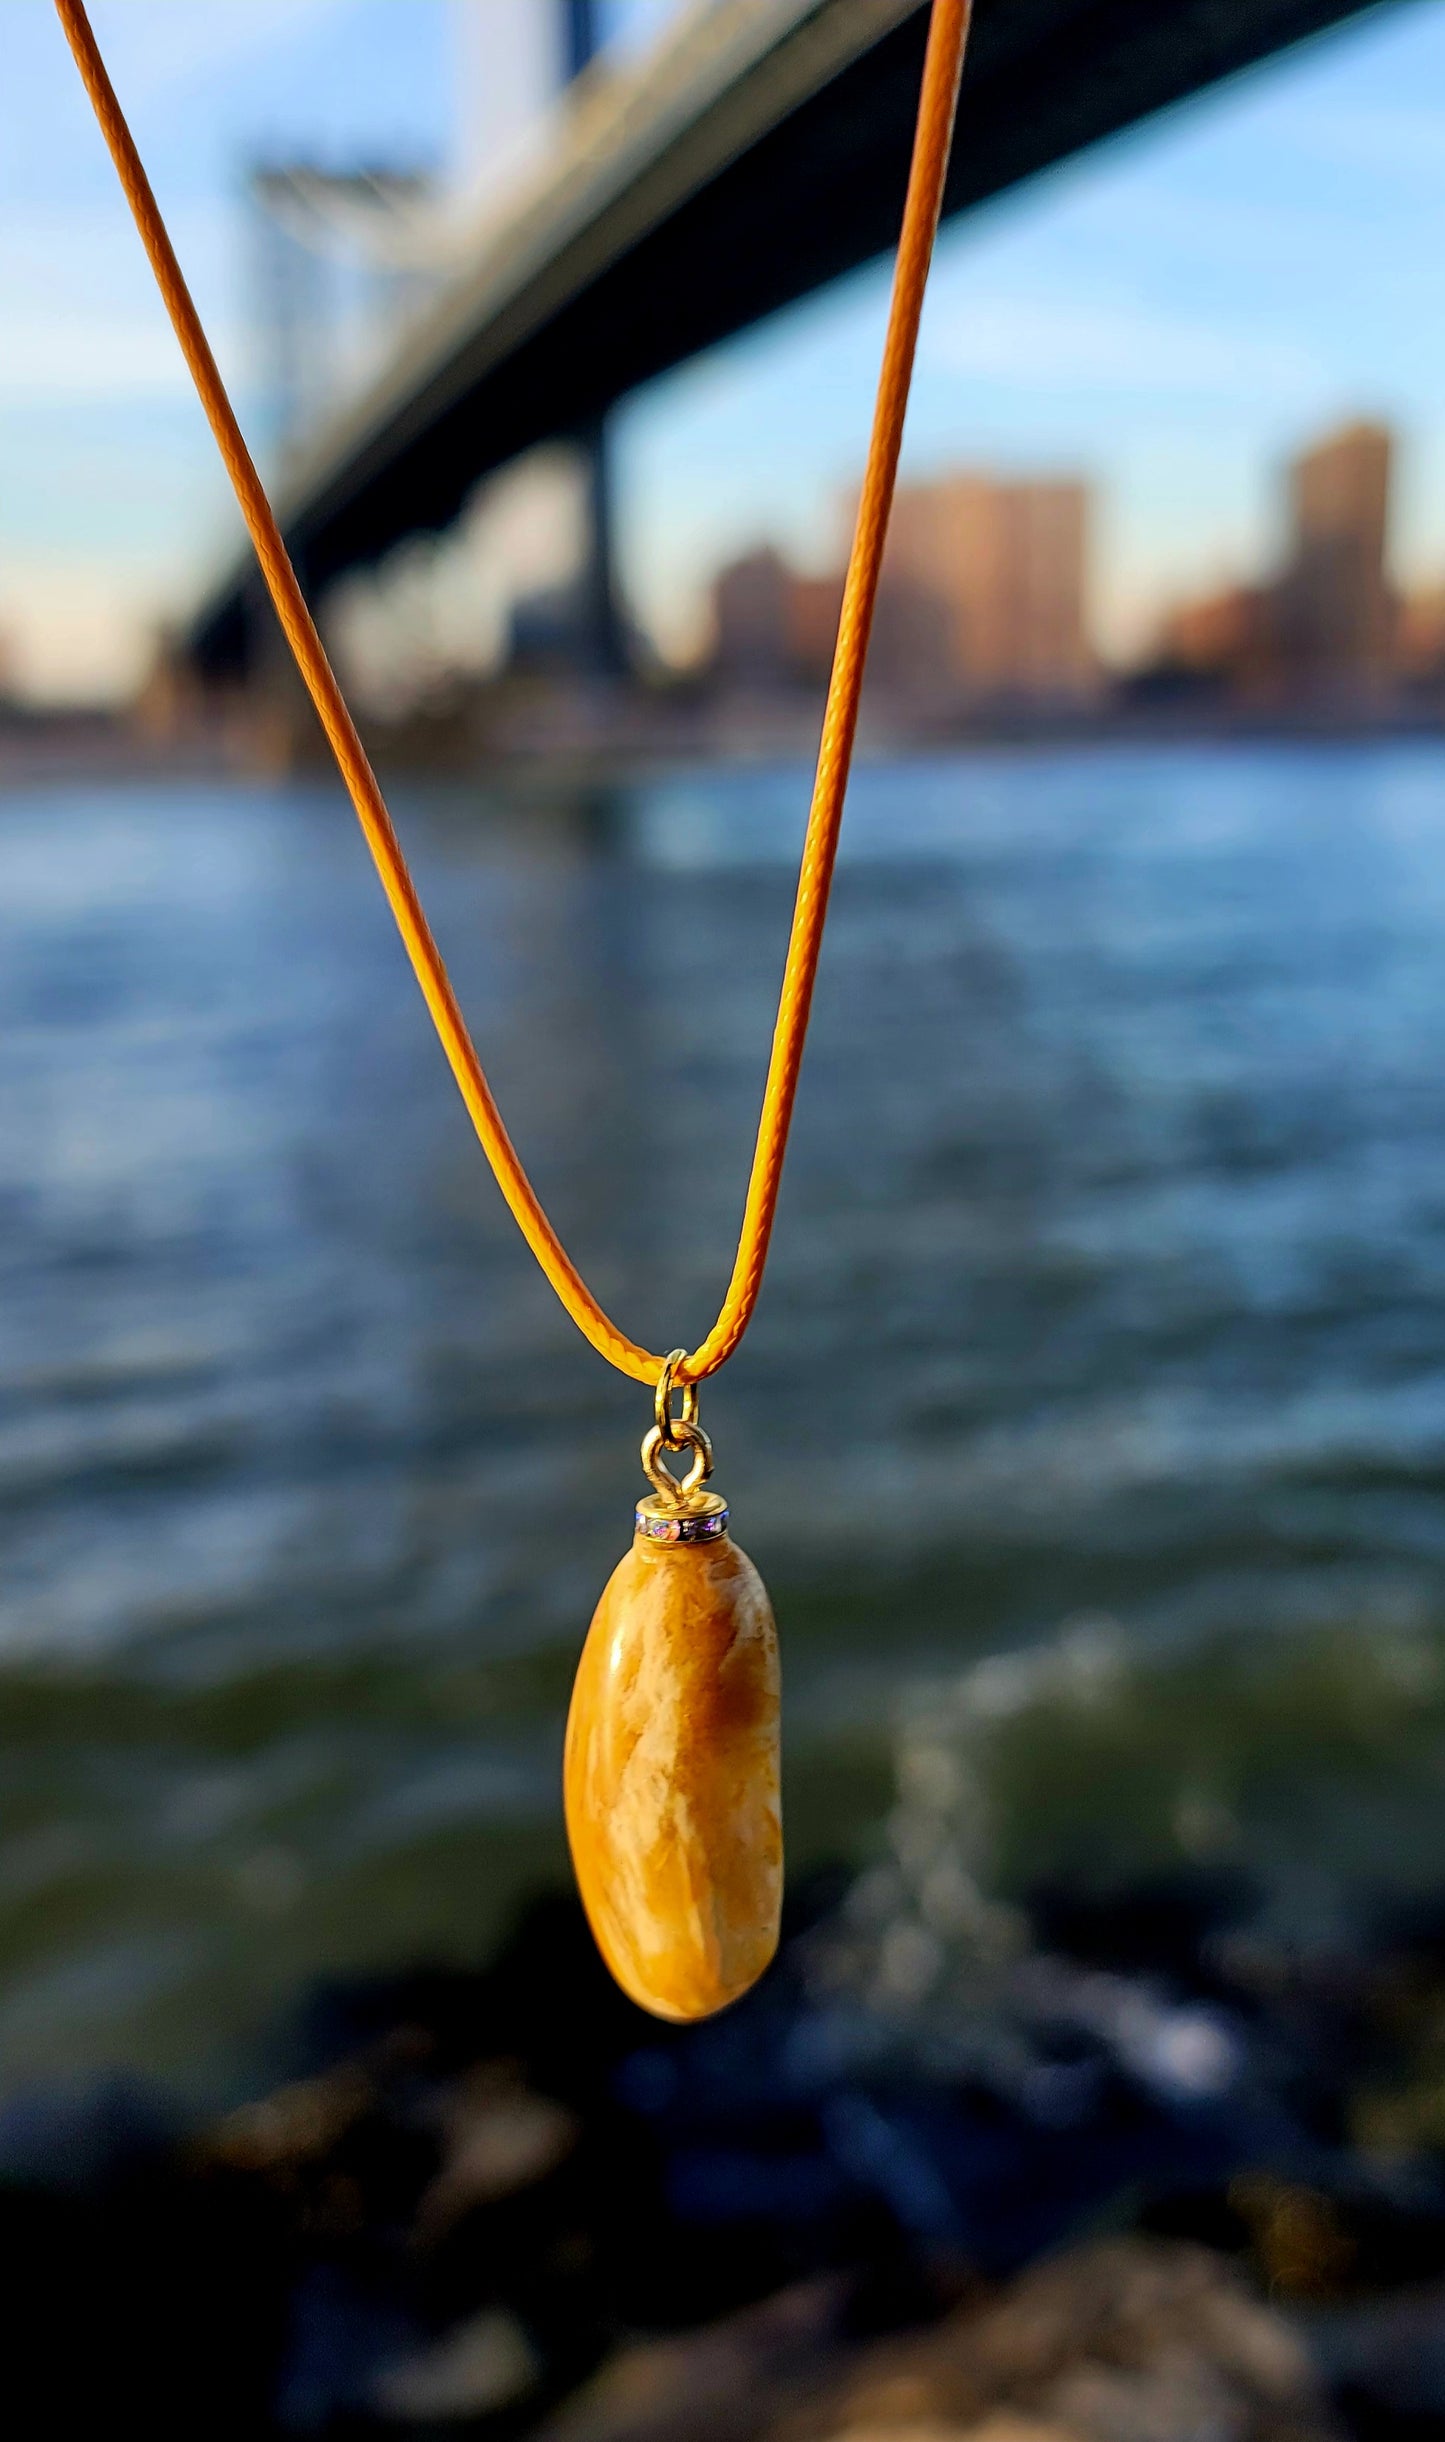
[(982, 601), (1221, 632), (987, 584), (1326, 630), (772, 627), (1420, 645), (750, 619), (1216, 646), (1333, 617), (813, 607)]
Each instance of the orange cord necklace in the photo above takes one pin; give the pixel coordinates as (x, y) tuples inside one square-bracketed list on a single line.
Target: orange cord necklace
[(947, 33), (671, 1773)]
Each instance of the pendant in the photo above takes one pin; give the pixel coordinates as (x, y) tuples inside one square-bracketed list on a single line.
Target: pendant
[(671, 1765)]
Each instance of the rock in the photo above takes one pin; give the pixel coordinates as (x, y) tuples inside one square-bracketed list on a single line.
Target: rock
[(498, 2138), (1301, 2244), (512, 2157), (1385, 2360), (1002, 2428), (671, 1775), (715, 2385), (1129, 2340), (73, 2135), (296, 2124), (480, 2366)]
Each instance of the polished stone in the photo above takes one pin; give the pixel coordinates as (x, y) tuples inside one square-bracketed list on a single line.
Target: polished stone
[(671, 1776)]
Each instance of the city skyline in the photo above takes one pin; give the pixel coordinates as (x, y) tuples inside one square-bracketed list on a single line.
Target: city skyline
[(985, 601), (982, 601), (1165, 315), (1323, 627)]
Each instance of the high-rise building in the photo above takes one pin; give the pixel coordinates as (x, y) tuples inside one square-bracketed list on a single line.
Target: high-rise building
[(1420, 643), (751, 626), (1215, 643), (772, 627), (996, 573), (982, 601), (1333, 613), (813, 607)]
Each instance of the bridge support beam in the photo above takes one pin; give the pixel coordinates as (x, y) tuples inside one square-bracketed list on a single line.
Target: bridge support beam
[(604, 638)]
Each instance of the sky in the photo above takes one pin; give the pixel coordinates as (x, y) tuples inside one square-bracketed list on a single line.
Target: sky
[(1170, 315)]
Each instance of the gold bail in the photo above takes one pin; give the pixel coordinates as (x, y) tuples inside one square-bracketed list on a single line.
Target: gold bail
[(680, 1432)]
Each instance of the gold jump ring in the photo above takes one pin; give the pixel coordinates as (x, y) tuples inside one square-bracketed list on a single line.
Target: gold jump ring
[(674, 1429), (688, 1436)]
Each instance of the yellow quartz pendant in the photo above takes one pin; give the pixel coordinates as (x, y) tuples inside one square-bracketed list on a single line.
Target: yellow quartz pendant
[(671, 1770)]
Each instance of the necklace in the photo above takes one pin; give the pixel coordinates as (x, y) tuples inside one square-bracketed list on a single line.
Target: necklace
[(671, 1769)]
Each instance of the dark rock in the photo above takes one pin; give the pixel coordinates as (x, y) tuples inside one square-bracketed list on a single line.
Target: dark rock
[(481, 2366), (1385, 2362), (1126, 2341), (1129, 2340), (477, 2189), (720, 2384)]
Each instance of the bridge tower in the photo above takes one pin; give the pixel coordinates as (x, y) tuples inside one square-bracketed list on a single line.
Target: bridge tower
[(337, 249), (602, 622), (517, 60)]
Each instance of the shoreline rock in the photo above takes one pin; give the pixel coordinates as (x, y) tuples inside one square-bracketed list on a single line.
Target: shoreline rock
[(1081, 2198)]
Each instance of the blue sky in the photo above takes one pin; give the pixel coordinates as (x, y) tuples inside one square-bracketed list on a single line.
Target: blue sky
[(1170, 315)]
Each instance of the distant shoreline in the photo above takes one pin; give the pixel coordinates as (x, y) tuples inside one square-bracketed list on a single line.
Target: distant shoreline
[(565, 734)]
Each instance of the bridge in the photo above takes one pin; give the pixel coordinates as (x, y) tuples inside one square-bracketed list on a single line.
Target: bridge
[(761, 151)]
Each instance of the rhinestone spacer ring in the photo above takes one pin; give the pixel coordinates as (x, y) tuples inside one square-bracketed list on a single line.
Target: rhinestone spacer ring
[(700, 1526)]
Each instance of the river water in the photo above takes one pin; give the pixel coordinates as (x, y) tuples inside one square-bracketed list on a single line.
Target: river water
[(1106, 1319)]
